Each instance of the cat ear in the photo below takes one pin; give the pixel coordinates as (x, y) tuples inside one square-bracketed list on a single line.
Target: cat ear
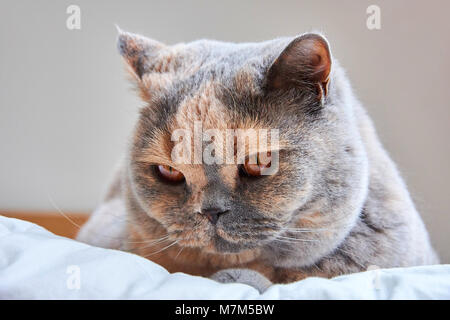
[(305, 62), (137, 51)]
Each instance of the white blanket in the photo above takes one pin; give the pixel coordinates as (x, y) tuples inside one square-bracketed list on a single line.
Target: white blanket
[(36, 264)]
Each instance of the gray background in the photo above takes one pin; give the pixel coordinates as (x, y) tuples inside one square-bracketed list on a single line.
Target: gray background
[(66, 109)]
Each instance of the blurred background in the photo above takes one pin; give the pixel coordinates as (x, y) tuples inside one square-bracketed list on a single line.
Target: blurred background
[(67, 110)]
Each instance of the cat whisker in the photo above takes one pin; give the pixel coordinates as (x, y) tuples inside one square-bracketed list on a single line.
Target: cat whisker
[(277, 228), (300, 230), (165, 248), (155, 242), (123, 239), (282, 238), (188, 239), (179, 252)]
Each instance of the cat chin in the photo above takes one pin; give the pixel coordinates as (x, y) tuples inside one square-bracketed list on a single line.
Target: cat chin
[(224, 246)]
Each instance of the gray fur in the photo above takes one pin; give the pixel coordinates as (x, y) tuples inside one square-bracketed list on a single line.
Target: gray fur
[(246, 276), (336, 173)]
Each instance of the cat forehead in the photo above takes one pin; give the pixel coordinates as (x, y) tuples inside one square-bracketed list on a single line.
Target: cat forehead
[(212, 103), (203, 106), (216, 84), (192, 78), (210, 93), (204, 109)]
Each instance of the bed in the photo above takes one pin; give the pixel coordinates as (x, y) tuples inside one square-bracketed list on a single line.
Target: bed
[(36, 264)]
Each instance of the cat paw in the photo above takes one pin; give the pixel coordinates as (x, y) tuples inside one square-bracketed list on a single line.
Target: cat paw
[(246, 276)]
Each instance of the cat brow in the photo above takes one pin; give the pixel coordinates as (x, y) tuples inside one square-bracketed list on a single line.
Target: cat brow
[(159, 152), (149, 155)]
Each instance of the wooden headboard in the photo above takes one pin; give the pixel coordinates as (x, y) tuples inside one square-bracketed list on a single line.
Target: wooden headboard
[(52, 221)]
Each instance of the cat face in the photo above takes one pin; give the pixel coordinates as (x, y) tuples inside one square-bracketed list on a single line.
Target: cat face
[(281, 87)]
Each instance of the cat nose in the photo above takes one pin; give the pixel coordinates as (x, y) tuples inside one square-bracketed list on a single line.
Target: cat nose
[(213, 214)]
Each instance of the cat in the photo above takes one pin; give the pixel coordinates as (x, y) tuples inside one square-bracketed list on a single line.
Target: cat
[(336, 204)]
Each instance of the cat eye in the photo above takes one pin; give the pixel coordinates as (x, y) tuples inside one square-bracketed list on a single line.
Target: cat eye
[(254, 165), (169, 174)]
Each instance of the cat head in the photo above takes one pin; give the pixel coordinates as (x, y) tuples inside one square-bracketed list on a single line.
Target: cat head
[(303, 178)]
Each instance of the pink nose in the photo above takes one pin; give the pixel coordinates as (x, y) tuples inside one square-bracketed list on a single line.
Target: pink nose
[(213, 214)]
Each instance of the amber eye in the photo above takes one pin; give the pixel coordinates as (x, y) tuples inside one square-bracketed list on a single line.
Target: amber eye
[(169, 174), (255, 164)]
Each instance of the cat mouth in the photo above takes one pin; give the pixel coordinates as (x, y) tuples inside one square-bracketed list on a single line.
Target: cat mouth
[(217, 239), (217, 244), (224, 246), (227, 243)]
